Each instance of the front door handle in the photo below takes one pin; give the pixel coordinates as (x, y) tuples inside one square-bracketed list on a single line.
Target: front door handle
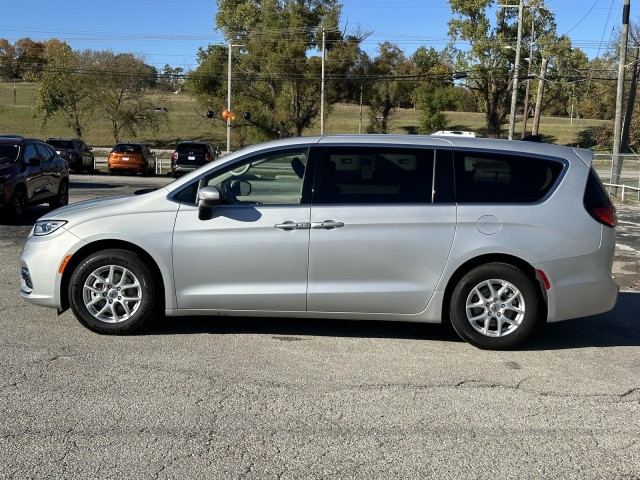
[(289, 225), (327, 224)]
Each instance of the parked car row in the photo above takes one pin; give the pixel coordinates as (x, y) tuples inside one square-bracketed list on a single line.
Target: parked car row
[(137, 158), (31, 173), (34, 172)]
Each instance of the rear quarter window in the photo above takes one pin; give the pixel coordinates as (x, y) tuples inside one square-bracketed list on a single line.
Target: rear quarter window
[(501, 178)]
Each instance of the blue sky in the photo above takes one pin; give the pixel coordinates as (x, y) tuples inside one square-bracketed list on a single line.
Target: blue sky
[(170, 31)]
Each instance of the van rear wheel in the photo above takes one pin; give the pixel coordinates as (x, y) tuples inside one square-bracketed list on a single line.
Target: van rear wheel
[(494, 306)]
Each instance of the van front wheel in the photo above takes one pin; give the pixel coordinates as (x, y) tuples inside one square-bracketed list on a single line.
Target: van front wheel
[(113, 292)]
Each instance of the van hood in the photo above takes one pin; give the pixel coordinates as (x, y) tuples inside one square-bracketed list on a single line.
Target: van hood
[(108, 207), (65, 211)]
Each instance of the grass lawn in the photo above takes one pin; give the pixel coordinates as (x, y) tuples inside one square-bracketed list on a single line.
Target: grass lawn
[(186, 120)]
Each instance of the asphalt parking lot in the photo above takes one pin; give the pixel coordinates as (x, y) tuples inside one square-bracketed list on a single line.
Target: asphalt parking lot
[(270, 398)]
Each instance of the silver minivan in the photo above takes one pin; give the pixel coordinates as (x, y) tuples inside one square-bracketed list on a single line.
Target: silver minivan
[(493, 236)]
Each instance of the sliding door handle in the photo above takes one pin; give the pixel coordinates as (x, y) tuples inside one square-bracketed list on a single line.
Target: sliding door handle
[(327, 224)]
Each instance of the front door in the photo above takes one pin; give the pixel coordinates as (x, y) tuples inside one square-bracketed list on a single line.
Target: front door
[(252, 253)]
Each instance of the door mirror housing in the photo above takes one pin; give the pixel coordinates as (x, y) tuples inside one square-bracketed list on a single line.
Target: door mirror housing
[(33, 162), (207, 198)]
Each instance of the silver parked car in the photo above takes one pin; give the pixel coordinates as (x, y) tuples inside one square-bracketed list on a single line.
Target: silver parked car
[(491, 235)]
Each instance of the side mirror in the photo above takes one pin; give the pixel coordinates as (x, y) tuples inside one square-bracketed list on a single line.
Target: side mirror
[(33, 162), (240, 188), (207, 198)]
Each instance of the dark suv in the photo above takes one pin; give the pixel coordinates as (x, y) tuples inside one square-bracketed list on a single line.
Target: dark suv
[(31, 173), (77, 154), (189, 155)]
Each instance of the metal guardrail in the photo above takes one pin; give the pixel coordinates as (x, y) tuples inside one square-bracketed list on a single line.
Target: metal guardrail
[(624, 188), (627, 183)]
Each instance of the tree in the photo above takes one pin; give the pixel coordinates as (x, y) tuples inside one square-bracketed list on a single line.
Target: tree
[(435, 91), (274, 77), (120, 93), (62, 87), (7, 60), (488, 62), (207, 82), (171, 79), (387, 92), (29, 58)]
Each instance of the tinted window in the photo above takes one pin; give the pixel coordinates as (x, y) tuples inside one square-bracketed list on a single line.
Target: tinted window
[(61, 143), (595, 193), (9, 153), (45, 151), (127, 148), (377, 175), (489, 177), (30, 152), (192, 147)]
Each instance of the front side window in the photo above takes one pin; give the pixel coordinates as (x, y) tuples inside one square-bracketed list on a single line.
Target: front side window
[(360, 175), (271, 179), (492, 177), (30, 152)]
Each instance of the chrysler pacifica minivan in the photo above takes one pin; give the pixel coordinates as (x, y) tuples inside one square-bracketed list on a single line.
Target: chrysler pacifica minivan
[(493, 236)]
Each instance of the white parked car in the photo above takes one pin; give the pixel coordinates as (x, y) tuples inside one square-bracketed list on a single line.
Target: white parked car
[(491, 235)]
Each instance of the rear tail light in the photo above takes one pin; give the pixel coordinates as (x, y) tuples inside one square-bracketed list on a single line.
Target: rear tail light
[(207, 158), (605, 214), (597, 202), (174, 157)]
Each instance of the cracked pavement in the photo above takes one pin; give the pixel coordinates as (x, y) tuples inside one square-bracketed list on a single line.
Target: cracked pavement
[(267, 398)]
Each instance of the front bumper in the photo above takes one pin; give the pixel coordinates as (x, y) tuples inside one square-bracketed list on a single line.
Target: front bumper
[(40, 260)]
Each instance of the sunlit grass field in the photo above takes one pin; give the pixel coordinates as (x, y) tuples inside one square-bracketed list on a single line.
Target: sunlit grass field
[(185, 119)]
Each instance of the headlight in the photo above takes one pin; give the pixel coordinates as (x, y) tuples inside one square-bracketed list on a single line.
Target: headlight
[(45, 227)]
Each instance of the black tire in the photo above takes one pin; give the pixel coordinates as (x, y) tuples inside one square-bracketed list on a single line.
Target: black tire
[(491, 320), (110, 171), (113, 292), (15, 209), (62, 198)]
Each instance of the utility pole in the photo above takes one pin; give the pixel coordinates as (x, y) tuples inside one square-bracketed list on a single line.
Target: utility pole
[(538, 109), (229, 101), (322, 85), (516, 67), (229, 97), (617, 159), (624, 137), (526, 94), (360, 116)]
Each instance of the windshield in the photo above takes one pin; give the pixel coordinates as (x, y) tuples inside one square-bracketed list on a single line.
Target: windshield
[(9, 153)]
